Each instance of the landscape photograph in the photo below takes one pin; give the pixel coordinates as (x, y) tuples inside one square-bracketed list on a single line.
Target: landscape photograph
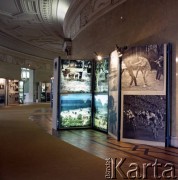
[(75, 110), (101, 111)]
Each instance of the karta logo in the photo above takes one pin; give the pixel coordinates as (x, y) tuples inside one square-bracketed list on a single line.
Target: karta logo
[(114, 170)]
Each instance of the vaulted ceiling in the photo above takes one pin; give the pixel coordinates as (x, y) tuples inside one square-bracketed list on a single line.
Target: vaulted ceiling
[(34, 27), (39, 28)]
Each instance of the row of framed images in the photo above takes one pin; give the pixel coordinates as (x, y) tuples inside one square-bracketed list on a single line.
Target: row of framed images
[(128, 96)]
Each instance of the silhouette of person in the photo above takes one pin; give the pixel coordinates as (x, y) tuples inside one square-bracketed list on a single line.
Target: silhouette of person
[(160, 63)]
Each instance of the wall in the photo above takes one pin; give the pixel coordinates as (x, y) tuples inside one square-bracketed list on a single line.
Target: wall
[(43, 75), (134, 23), (9, 71), (11, 63)]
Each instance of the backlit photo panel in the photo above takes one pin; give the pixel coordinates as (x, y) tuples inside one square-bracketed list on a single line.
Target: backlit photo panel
[(101, 75), (75, 110), (101, 111), (76, 76)]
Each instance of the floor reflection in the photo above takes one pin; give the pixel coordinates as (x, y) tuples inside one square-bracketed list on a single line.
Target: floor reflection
[(43, 117), (103, 145)]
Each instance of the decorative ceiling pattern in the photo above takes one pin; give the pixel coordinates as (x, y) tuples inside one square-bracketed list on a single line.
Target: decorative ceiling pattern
[(25, 61), (35, 22), (82, 13), (40, 27)]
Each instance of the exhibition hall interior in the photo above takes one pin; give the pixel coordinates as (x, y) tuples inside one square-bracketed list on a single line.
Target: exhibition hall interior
[(88, 89)]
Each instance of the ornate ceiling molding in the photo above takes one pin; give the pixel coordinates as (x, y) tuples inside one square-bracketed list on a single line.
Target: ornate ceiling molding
[(20, 46), (83, 13), (24, 60), (34, 23)]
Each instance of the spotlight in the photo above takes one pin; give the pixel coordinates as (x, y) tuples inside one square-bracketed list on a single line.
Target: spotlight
[(98, 57)]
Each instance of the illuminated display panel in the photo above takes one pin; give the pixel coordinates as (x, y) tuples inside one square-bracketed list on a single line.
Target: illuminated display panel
[(101, 75), (2, 91), (101, 112), (76, 76), (75, 110)]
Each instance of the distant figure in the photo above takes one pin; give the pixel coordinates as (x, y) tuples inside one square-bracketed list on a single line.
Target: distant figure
[(143, 66), (160, 63)]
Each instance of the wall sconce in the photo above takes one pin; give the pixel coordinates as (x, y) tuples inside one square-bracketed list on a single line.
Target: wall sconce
[(98, 57)]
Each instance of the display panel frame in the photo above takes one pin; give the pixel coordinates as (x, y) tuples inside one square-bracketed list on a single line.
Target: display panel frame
[(100, 87), (102, 116), (164, 91), (114, 98), (62, 93)]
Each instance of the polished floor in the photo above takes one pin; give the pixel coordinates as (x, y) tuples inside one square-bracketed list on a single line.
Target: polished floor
[(28, 152), (104, 146)]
